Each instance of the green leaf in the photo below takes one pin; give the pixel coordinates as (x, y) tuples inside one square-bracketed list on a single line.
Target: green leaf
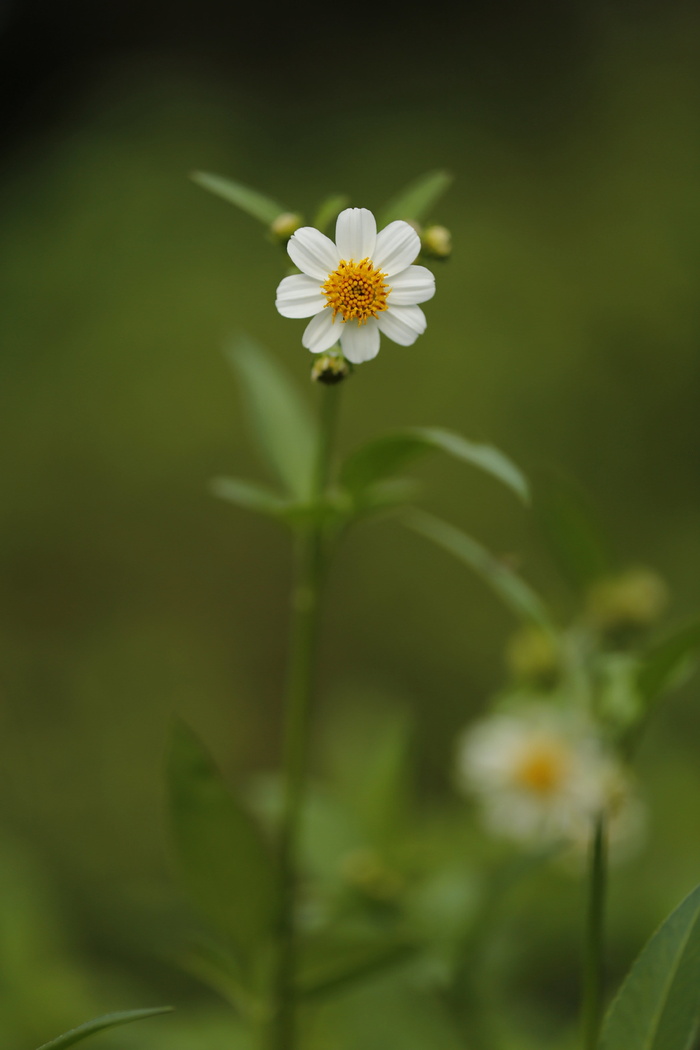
[(392, 452), (250, 201), (226, 867), (667, 663), (517, 595), (417, 198), (573, 536), (99, 1024), (658, 1005), (285, 431), (331, 967), (329, 211), (251, 496), (368, 754)]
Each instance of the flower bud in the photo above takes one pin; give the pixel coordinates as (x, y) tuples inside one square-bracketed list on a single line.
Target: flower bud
[(436, 242), (533, 658), (284, 226), (367, 872), (620, 607), (330, 368)]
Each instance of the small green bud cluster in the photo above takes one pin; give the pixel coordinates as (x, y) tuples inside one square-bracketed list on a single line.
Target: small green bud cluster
[(284, 226), (330, 368), (436, 242), (533, 658), (622, 607)]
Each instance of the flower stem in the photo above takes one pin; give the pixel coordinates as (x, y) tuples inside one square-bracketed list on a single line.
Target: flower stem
[(593, 952), (305, 603)]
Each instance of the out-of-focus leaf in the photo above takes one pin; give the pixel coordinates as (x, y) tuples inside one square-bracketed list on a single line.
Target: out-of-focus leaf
[(668, 663), (658, 1005), (281, 421), (329, 211), (250, 495), (99, 1024), (368, 756), (413, 202), (392, 452), (250, 201), (217, 968), (517, 595), (574, 539), (385, 496), (331, 967), (224, 862)]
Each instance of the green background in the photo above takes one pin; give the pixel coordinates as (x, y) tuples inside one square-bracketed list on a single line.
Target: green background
[(564, 330)]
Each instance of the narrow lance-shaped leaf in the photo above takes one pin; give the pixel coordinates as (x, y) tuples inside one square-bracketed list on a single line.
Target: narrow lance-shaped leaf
[(339, 966), (224, 862), (667, 662), (250, 201), (573, 536), (250, 495), (658, 1005), (517, 595), (413, 202), (99, 1024), (393, 452), (329, 211), (280, 420)]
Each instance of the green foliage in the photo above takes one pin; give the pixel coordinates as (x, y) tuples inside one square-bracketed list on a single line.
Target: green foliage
[(413, 202), (99, 1024), (658, 1005), (282, 424), (252, 202), (392, 452), (667, 663), (517, 595), (331, 966), (250, 495), (329, 211), (572, 534), (225, 865)]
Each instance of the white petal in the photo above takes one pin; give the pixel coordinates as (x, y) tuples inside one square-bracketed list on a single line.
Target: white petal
[(299, 296), (398, 245), (413, 285), (321, 332), (356, 234), (360, 342), (313, 252), (403, 324)]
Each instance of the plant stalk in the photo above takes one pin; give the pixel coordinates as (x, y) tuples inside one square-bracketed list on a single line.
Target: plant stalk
[(594, 942), (309, 575)]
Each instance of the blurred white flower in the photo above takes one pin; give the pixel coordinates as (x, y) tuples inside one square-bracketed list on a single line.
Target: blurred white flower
[(543, 775), (360, 286)]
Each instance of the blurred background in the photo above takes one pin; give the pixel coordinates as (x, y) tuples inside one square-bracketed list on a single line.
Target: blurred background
[(565, 330)]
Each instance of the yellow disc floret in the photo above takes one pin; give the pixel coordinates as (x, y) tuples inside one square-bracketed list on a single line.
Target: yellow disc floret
[(542, 767), (356, 291)]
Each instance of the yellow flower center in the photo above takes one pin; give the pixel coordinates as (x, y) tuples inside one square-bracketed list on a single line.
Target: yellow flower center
[(356, 291), (542, 768)]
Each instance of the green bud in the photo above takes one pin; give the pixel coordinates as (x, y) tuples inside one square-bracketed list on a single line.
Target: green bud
[(533, 657), (620, 607), (436, 242), (330, 368), (284, 226), (366, 871)]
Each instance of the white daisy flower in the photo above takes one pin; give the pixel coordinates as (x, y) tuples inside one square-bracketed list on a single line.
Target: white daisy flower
[(543, 775), (360, 286)]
